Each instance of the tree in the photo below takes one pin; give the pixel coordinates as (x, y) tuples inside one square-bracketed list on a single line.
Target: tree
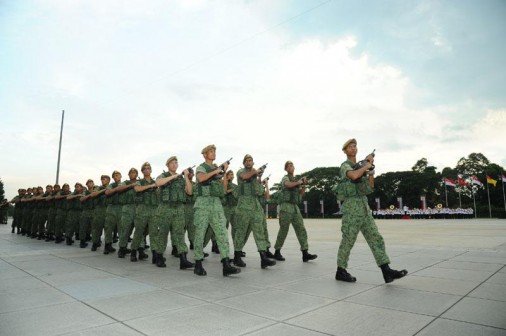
[(475, 164)]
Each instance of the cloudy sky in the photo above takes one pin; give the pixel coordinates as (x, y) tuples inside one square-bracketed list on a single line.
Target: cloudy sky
[(281, 80)]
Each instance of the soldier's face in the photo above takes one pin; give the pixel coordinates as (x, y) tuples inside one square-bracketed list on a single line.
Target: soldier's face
[(90, 185), (248, 163), (117, 178), (66, 188), (173, 165), (351, 150), (146, 170), (230, 176), (57, 188), (49, 189), (105, 181), (210, 154), (79, 188), (290, 168), (133, 175)]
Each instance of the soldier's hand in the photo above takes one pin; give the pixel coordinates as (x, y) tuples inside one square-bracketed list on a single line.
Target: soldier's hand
[(370, 158), (225, 166)]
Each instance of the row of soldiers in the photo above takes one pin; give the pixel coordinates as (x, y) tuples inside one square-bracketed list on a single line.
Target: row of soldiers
[(170, 204)]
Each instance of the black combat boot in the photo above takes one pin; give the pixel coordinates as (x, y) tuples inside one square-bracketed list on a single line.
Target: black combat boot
[(40, 236), (58, 240), (142, 255), (122, 252), (278, 256), (69, 241), (307, 256), (154, 256), (199, 270), (215, 248), (83, 244), (174, 252), (243, 254), (109, 249), (183, 262), (12, 230), (160, 260), (265, 261), (191, 245), (94, 247), (133, 256), (228, 268), (237, 259), (268, 254), (342, 275), (390, 275)]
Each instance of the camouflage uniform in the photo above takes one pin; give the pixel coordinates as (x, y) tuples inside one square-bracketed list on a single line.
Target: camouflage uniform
[(86, 216), (73, 215), (290, 214), (127, 199), (209, 212), (188, 215), (97, 225), (44, 213), (170, 215), (27, 214), (51, 216), (229, 207), (18, 212), (357, 217), (147, 203), (113, 214), (249, 212), (61, 214)]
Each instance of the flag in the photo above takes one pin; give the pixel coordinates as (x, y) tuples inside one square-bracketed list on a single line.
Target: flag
[(491, 180), (503, 177), (449, 182), (461, 181), (475, 180)]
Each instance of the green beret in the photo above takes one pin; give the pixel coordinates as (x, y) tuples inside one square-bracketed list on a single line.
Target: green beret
[(349, 142), (208, 148), (247, 156)]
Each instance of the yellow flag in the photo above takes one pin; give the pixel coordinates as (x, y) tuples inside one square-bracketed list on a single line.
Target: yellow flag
[(491, 180)]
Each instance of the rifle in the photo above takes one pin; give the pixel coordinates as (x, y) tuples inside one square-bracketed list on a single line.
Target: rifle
[(266, 179), (363, 162), (222, 167)]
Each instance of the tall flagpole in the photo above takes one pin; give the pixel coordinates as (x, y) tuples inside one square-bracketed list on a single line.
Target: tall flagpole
[(59, 147), (474, 202), (488, 195), (503, 197), (446, 194)]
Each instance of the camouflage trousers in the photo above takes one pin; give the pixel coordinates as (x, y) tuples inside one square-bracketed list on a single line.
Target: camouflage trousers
[(85, 223), (170, 218), (357, 218), (290, 214), (72, 223), (266, 232), (230, 215), (61, 218), (209, 212), (249, 219), (35, 220), (18, 218), (51, 221), (97, 224), (112, 221), (144, 216), (188, 221), (27, 219), (126, 224)]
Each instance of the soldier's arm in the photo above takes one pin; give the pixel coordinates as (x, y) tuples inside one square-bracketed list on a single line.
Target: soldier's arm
[(188, 187), (161, 181), (248, 175)]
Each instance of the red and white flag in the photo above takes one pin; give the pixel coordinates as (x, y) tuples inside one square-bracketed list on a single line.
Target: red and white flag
[(503, 177), (449, 182), (461, 181), (475, 180)]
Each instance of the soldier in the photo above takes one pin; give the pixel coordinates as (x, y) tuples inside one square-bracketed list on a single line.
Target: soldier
[(44, 211), (264, 199), (99, 202), (86, 214), (74, 213), (18, 211), (230, 202), (170, 212), (188, 211), (147, 202), (27, 212), (113, 213), (127, 200), (209, 211), (61, 212), (291, 194), (51, 215), (249, 212), (357, 217), (35, 204)]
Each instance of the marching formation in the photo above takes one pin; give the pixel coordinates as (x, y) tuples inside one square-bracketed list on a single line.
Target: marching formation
[(202, 210)]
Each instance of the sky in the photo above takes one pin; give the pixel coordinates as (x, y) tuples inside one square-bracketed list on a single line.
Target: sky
[(280, 80)]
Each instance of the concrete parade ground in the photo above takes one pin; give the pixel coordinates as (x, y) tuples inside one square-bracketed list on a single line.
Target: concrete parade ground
[(456, 286)]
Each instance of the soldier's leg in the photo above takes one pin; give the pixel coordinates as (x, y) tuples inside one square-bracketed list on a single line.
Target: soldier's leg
[(127, 214), (266, 231), (256, 226), (244, 219), (164, 225), (177, 229), (109, 225), (375, 241), (284, 224), (35, 222), (350, 228), (58, 230), (201, 224), (217, 222), (140, 222), (190, 228), (209, 234), (300, 230)]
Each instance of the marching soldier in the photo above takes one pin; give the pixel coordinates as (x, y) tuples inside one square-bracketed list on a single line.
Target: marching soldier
[(18, 211), (127, 199), (51, 214), (209, 211), (230, 202), (113, 212), (99, 202), (147, 202), (249, 213), (291, 195), (170, 212), (74, 213), (188, 211), (357, 217), (44, 211), (61, 212), (86, 214)]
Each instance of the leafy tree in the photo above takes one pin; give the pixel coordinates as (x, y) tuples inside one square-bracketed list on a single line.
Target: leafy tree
[(475, 164)]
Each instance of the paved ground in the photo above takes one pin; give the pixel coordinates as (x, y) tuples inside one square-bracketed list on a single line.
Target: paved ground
[(456, 286)]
